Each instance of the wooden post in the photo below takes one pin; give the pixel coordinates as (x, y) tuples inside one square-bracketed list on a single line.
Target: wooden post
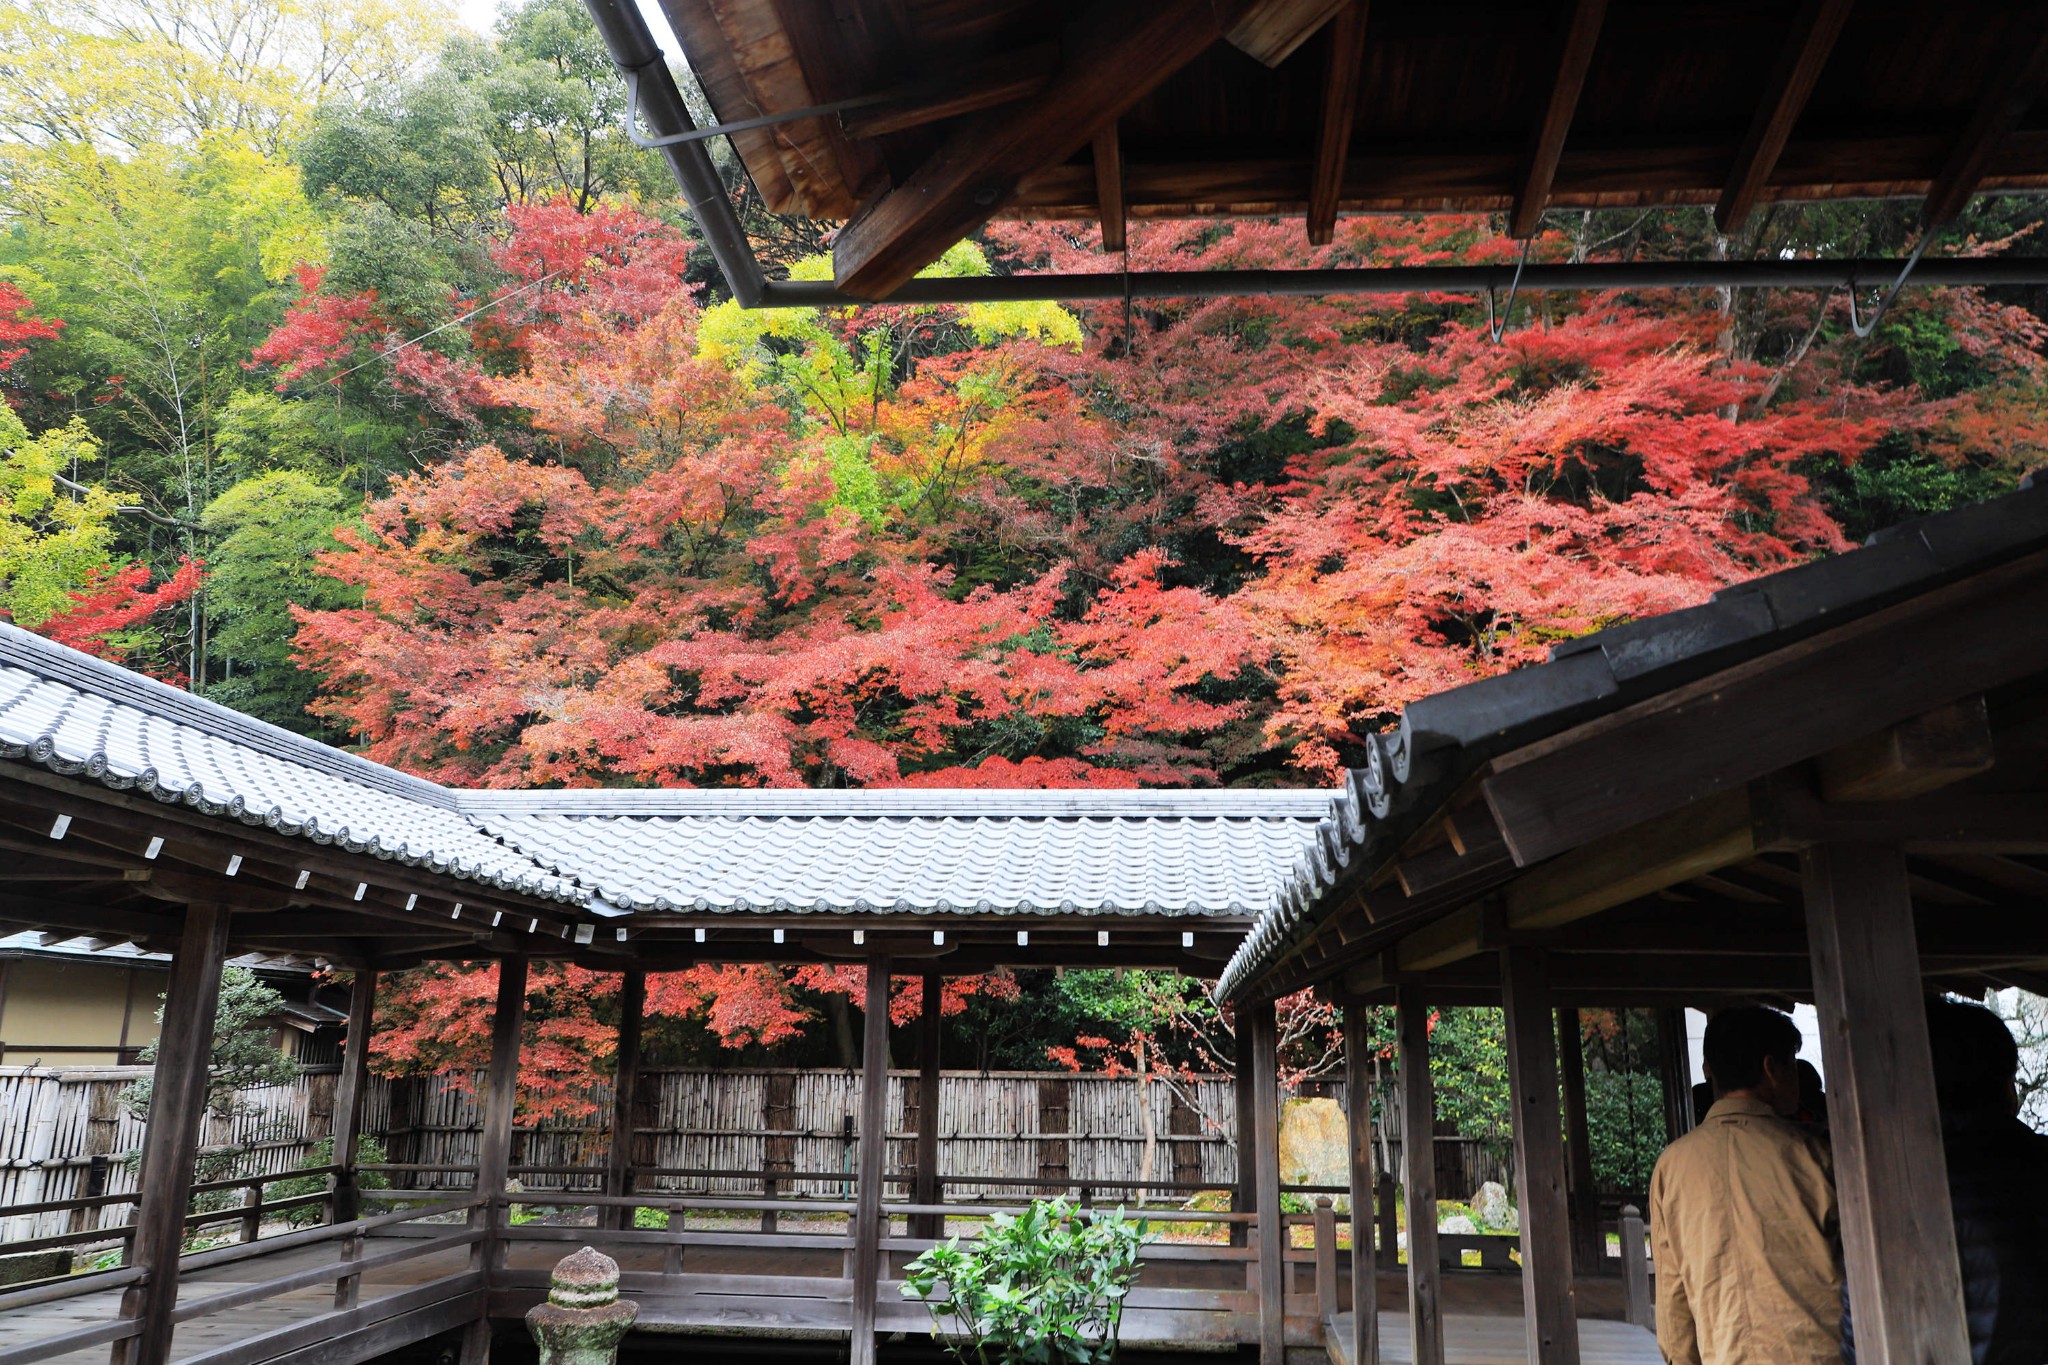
[(1548, 1309), (177, 1106), (1259, 1036), (1244, 1198), (1389, 1221), (1675, 1067), (1898, 1234), (874, 1146), (926, 1188), (348, 1098), (1638, 1305), (1418, 1175), (1365, 1315), (618, 1170), (1326, 1263), (494, 1148), (1589, 1243)]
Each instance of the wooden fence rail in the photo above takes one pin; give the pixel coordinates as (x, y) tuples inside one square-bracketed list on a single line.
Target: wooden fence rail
[(65, 1135)]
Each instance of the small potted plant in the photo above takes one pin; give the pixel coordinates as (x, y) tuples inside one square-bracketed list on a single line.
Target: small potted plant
[(1043, 1286)]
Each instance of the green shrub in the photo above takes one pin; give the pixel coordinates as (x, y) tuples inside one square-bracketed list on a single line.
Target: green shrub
[(1044, 1286), (368, 1150)]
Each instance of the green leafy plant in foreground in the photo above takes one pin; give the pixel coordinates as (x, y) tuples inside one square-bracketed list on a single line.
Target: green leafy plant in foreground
[(1046, 1285)]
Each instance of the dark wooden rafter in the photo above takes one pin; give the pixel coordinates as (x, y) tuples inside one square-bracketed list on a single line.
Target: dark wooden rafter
[(106, 825), (1114, 55), (1270, 31), (1575, 58), (2016, 88), (1812, 37), (1002, 79), (1109, 185), (1342, 74)]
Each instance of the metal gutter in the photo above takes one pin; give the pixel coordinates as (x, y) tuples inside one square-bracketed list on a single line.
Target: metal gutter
[(660, 104)]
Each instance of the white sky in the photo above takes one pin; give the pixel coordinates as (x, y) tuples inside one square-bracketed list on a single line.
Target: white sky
[(481, 14)]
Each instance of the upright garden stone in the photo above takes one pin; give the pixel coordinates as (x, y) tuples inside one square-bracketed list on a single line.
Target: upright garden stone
[(584, 1317)]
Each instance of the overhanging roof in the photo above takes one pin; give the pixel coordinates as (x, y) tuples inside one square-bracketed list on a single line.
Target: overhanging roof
[(915, 122), (1443, 742)]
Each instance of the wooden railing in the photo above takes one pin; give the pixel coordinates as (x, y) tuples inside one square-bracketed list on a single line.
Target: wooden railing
[(345, 1273), (248, 1214)]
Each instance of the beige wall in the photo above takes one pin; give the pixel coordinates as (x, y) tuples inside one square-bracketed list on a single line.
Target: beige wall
[(45, 1003)]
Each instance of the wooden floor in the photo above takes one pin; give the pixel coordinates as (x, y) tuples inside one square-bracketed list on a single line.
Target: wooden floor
[(1482, 1324), (231, 1326), (1487, 1340)]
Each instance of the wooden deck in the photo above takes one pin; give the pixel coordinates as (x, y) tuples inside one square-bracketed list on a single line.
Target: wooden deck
[(1475, 1339), (277, 1305)]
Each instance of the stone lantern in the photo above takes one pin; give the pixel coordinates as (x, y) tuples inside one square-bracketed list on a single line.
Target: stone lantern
[(584, 1317)]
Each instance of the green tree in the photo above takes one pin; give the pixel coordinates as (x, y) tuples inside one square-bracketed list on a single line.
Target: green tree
[(52, 540), (268, 530), (244, 1053)]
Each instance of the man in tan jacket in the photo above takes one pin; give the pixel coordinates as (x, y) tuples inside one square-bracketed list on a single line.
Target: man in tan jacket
[(1742, 1213)]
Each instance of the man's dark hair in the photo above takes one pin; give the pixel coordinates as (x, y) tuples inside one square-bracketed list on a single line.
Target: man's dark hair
[(1740, 1037), (1975, 1058)]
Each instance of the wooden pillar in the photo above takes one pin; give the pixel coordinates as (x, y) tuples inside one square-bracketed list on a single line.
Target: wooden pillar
[(1365, 1315), (926, 1188), (1898, 1234), (870, 1163), (1258, 1037), (1244, 1197), (494, 1148), (618, 1169), (177, 1106), (348, 1096), (1589, 1242), (1548, 1310), (1418, 1177), (1675, 1067)]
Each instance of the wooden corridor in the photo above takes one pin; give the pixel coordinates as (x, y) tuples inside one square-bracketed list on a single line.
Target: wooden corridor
[(793, 1295)]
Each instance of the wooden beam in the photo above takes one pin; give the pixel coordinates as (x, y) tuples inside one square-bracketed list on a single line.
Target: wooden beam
[(1770, 713), (1990, 823), (1589, 1243), (1812, 37), (625, 1096), (1342, 76), (177, 1107), (1260, 1030), (1549, 1312), (870, 1156), (930, 1032), (1898, 1236), (2012, 92), (1365, 1316), (1003, 79), (1916, 756), (1115, 54), (1655, 854), (1581, 36), (348, 1094), (1418, 1179), (1270, 31), (1109, 186)]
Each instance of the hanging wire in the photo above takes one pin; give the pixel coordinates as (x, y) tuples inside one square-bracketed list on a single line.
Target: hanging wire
[(1496, 329), (452, 322), (1863, 329)]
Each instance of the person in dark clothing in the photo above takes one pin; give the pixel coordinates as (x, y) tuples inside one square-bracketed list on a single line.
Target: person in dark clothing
[(1997, 1184)]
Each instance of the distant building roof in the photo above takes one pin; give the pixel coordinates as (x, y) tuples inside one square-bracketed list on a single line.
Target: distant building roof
[(1230, 854)]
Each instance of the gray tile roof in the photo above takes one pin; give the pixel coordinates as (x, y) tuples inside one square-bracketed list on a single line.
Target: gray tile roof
[(81, 947), (1225, 854), (1442, 740)]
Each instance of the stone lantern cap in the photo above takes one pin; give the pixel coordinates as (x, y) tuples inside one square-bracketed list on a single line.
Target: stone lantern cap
[(584, 1317), (584, 1279)]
